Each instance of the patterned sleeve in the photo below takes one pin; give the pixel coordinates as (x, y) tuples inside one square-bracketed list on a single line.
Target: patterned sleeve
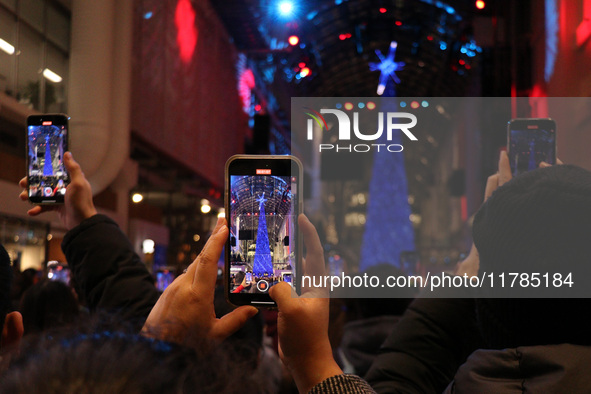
[(339, 384)]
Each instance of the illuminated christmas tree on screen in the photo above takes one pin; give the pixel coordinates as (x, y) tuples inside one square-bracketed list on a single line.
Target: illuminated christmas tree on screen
[(47, 165), (263, 263), (388, 230)]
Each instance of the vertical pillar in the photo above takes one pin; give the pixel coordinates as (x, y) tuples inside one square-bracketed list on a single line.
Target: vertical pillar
[(100, 89)]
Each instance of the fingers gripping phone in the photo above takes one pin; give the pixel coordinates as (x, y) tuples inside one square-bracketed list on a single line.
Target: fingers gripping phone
[(263, 196), (47, 141), (529, 142)]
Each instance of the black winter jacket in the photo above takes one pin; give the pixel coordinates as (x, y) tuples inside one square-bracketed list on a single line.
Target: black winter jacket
[(427, 346), (107, 274)]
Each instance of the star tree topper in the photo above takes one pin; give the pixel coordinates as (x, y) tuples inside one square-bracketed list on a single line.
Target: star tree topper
[(261, 200), (387, 66)]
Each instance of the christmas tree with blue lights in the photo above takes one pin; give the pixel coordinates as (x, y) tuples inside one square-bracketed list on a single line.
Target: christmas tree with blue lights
[(47, 165), (263, 263), (388, 230)]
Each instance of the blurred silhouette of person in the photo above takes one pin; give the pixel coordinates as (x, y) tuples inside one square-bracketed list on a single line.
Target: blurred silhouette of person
[(48, 304), (11, 322), (21, 283)]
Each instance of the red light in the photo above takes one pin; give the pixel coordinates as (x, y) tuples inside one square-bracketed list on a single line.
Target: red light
[(342, 37), (245, 85), (371, 105), (257, 107), (464, 208), (414, 105), (480, 4), (468, 67), (302, 65), (186, 38), (348, 106), (305, 72), (430, 38), (383, 10), (462, 62), (293, 40), (398, 23), (47, 123)]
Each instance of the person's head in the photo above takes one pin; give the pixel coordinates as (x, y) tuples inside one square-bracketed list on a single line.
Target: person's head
[(239, 277), (11, 322), (5, 283), (120, 362), (538, 222), (21, 282), (48, 304)]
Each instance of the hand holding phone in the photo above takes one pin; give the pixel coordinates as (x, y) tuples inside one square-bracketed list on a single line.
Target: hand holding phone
[(530, 142), (78, 204), (186, 311), (262, 204), (47, 142)]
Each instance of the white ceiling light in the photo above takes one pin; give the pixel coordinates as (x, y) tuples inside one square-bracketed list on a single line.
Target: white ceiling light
[(53, 77), (6, 47)]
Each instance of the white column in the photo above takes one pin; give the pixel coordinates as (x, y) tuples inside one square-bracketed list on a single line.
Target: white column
[(100, 88)]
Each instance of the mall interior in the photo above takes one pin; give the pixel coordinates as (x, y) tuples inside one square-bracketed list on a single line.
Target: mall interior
[(160, 93)]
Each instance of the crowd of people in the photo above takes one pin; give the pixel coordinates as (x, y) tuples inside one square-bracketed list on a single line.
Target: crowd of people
[(129, 338)]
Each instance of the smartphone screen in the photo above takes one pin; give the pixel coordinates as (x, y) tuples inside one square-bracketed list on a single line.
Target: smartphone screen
[(164, 279), (58, 272), (287, 278), (47, 141), (530, 141), (262, 205)]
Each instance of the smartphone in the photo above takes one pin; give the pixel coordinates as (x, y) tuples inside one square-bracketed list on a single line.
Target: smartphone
[(263, 198), (529, 142), (58, 271), (248, 279), (47, 141), (287, 278), (163, 279)]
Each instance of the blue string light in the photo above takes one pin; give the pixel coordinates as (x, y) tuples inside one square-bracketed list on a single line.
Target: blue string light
[(388, 230)]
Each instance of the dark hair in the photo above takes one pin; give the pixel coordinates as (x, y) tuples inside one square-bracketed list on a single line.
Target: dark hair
[(48, 304), (120, 362), (539, 221), (20, 283), (5, 282), (239, 277)]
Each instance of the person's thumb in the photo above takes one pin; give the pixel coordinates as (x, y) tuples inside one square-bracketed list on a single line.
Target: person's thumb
[(233, 321), (281, 294), (72, 166)]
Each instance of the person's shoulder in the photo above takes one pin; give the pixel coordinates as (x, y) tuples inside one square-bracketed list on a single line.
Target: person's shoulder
[(91, 223), (546, 368)]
